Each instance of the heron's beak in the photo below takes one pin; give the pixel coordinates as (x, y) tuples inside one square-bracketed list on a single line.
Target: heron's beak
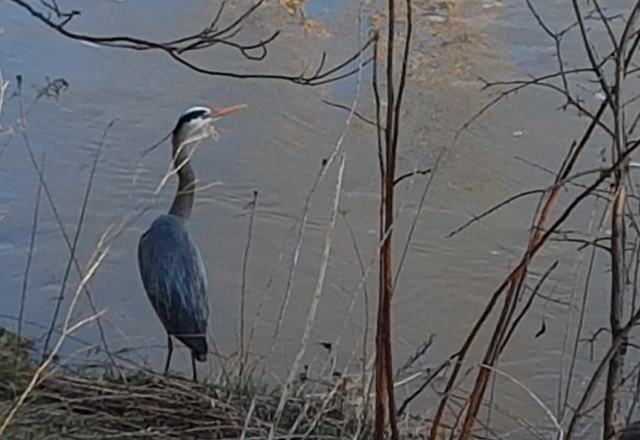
[(217, 113)]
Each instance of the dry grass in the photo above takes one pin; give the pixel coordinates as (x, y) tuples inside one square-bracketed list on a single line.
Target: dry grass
[(144, 405)]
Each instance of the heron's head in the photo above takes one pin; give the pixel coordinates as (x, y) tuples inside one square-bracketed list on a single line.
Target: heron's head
[(196, 123)]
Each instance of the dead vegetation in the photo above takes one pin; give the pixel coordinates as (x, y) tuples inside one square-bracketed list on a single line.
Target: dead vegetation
[(46, 402), (96, 403)]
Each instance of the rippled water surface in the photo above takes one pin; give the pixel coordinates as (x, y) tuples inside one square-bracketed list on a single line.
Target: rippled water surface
[(275, 147)]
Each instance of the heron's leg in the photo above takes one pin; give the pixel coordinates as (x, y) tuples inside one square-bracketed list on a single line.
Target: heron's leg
[(169, 353), (193, 365)]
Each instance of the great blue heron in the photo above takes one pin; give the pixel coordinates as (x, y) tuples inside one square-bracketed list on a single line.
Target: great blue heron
[(171, 267)]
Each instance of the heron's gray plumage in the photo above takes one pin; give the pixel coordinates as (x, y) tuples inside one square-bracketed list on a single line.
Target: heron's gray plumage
[(171, 267), (174, 277)]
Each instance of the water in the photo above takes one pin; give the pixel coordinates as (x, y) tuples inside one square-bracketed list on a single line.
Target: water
[(275, 147)]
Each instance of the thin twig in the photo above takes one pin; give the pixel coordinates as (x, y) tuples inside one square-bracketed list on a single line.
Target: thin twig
[(25, 276), (432, 375), (324, 262), (76, 237), (59, 222), (243, 285), (68, 328), (533, 396), (3, 89), (411, 174), (202, 40), (493, 209), (347, 108), (307, 201)]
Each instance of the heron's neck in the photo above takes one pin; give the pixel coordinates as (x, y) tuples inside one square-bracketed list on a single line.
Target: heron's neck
[(183, 201)]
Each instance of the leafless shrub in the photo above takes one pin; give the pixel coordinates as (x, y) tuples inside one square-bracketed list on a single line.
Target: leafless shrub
[(614, 117)]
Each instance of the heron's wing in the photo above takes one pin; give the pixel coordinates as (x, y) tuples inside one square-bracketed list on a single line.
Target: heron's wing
[(174, 277), (203, 288)]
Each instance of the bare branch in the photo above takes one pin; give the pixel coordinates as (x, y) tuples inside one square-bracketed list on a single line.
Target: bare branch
[(411, 174), (203, 39)]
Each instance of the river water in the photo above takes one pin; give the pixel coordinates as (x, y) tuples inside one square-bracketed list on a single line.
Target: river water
[(276, 147)]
